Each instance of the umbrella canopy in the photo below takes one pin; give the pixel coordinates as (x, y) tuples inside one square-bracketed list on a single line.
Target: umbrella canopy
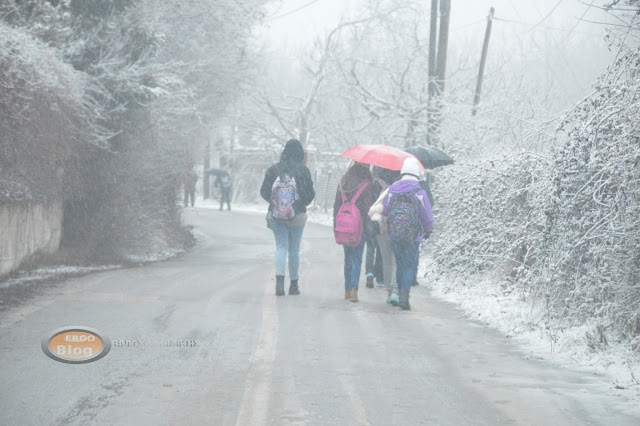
[(379, 155), (217, 172), (430, 157)]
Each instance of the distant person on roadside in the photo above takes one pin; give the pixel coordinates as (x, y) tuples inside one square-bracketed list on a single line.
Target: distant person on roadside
[(288, 188), (189, 180), (409, 221), (424, 184), (223, 181), (354, 198), (383, 178)]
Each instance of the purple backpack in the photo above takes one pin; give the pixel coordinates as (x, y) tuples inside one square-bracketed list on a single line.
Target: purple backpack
[(349, 228), (403, 222), (283, 195)]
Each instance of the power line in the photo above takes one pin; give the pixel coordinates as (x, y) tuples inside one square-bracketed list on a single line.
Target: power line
[(294, 10), (528, 24), (580, 19), (469, 24), (548, 14)]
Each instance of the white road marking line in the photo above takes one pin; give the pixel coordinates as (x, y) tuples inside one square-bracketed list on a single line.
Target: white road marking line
[(359, 413), (346, 377), (255, 400)]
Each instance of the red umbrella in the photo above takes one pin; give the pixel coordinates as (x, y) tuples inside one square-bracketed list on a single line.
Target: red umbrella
[(379, 155)]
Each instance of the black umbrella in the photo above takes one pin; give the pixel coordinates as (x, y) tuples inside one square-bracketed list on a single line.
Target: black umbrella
[(217, 172), (430, 157)]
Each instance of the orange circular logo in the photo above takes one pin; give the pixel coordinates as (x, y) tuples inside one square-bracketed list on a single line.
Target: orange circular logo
[(75, 345)]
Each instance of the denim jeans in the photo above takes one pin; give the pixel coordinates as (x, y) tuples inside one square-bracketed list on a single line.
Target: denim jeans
[(353, 265), (187, 195), (407, 257), (225, 197), (287, 241)]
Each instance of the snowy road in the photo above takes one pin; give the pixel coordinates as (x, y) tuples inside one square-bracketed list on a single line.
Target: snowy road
[(311, 359)]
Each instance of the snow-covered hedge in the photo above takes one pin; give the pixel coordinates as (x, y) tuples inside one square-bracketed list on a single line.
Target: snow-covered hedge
[(46, 113), (593, 233), (563, 230), (488, 213), (108, 103)]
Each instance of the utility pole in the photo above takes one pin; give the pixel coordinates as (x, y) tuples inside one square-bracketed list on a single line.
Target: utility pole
[(433, 39), (441, 69), (443, 42), (207, 165), (483, 61)]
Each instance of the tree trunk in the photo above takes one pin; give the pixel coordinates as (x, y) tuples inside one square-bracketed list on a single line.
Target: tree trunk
[(206, 179)]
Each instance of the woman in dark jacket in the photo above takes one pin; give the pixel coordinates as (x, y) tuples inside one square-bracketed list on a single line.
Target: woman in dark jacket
[(357, 176), (288, 233)]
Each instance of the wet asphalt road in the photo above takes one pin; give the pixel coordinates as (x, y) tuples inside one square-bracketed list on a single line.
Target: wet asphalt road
[(310, 359)]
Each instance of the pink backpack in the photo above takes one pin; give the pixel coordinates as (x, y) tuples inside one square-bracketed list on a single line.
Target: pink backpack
[(349, 229)]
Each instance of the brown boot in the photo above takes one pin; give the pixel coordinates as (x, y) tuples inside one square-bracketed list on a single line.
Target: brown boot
[(347, 294), (354, 295)]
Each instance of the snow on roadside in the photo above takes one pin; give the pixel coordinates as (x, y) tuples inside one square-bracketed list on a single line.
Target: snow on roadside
[(61, 271), (514, 315), (154, 256), (313, 215), (320, 217)]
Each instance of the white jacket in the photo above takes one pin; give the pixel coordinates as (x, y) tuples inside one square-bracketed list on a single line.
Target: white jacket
[(375, 212)]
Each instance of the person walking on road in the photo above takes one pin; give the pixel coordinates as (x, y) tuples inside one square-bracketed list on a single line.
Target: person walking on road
[(424, 184), (409, 221), (189, 180), (288, 188), (224, 182), (373, 261), (354, 198), (384, 178)]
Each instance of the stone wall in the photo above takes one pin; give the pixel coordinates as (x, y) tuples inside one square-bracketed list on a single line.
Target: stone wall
[(26, 229)]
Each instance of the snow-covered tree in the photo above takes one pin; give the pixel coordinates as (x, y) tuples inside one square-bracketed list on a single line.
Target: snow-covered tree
[(153, 77)]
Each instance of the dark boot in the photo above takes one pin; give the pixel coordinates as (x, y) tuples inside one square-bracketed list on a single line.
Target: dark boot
[(404, 301), (279, 285), (293, 288), (369, 280)]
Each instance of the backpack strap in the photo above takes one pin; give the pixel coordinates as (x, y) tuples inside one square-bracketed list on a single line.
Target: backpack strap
[(413, 194), (355, 197), (384, 185)]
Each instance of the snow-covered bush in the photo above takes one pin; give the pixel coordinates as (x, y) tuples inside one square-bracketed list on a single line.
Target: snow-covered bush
[(46, 114), (593, 232), (490, 216), (564, 230), (139, 84)]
